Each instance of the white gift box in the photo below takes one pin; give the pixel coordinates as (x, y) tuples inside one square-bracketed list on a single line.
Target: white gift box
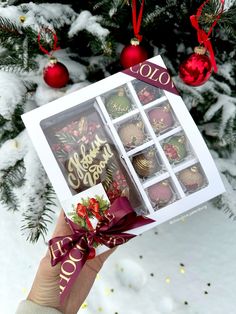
[(184, 170)]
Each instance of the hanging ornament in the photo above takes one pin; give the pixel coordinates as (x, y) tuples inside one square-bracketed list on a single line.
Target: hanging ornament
[(197, 68), (134, 53), (55, 73)]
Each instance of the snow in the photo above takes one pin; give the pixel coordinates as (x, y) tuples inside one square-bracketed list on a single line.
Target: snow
[(12, 91), (226, 70), (228, 105), (145, 275), (13, 150), (43, 15), (228, 4), (39, 15), (86, 21)]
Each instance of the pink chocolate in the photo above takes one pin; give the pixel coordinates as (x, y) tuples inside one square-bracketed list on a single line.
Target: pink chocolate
[(160, 118), (160, 193)]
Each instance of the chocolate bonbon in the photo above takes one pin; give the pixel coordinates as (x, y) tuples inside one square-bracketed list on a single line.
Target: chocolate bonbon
[(145, 164), (132, 133), (160, 193), (118, 104), (192, 178), (161, 118)]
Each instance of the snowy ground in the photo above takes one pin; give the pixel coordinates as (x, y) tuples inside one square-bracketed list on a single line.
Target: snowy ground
[(145, 275)]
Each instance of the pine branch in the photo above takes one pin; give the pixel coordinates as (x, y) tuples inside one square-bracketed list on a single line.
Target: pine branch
[(2, 121), (219, 203), (11, 128), (7, 197), (228, 21), (36, 219), (8, 31), (11, 178), (19, 55), (16, 65)]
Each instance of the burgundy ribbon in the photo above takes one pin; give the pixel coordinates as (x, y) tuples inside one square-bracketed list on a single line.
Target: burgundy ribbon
[(152, 74), (137, 21), (203, 37), (73, 250)]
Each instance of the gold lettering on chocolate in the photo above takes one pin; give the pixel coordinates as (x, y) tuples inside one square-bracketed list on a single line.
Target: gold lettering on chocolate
[(143, 68), (81, 167), (73, 181)]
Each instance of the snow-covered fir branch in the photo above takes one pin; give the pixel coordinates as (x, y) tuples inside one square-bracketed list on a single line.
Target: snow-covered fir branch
[(12, 92)]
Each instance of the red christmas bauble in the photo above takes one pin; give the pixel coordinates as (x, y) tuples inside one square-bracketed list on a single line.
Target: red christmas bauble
[(55, 74), (196, 69), (133, 54)]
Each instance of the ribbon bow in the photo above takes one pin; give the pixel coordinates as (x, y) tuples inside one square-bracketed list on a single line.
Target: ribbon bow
[(93, 208), (73, 250), (203, 37)]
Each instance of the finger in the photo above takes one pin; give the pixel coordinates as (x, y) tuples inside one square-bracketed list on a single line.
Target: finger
[(62, 227)]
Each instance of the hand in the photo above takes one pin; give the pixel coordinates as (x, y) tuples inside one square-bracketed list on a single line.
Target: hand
[(45, 288)]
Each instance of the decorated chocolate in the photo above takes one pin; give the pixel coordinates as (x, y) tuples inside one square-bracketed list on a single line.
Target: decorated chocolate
[(161, 118), (132, 133), (160, 193), (145, 164), (191, 178), (118, 104), (87, 156), (175, 148), (85, 152), (146, 93)]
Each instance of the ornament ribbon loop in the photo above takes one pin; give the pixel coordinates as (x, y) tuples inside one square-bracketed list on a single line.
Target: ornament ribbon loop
[(137, 22), (203, 37), (73, 250), (55, 41)]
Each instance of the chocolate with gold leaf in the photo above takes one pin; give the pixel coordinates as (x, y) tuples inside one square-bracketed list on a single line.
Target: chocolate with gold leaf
[(118, 104), (175, 148), (192, 178), (160, 193), (161, 118), (132, 133), (146, 92), (87, 156), (145, 164)]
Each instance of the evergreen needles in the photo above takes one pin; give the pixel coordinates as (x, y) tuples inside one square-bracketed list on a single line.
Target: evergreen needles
[(36, 219), (11, 178)]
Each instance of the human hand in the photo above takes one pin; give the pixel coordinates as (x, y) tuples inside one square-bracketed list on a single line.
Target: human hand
[(45, 289)]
